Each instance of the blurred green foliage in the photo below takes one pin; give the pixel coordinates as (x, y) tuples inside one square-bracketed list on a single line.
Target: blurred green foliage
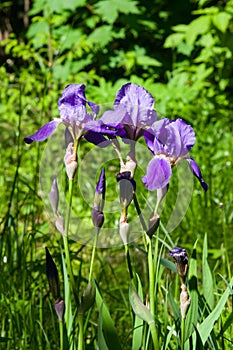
[(181, 52)]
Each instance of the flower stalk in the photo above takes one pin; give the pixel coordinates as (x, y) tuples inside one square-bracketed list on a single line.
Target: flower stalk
[(181, 261)]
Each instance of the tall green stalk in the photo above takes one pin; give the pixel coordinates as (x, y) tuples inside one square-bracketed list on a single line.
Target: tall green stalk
[(151, 269), (81, 344), (61, 329), (93, 257)]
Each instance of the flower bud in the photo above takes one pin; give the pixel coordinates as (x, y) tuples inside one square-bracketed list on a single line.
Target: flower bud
[(97, 210), (97, 218), (100, 192), (127, 188), (88, 298), (60, 309), (52, 275), (181, 261)]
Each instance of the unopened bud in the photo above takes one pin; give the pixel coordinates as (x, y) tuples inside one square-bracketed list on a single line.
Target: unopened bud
[(88, 298), (52, 276), (60, 308), (181, 261), (97, 210), (97, 218), (100, 192), (127, 188)]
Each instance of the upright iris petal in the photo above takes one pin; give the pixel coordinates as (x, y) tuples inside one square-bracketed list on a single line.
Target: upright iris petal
[(74, 115), (169, 141), (133, 112)]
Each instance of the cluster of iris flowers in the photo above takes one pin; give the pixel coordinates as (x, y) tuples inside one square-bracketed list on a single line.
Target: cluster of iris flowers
[(132, 117), (168, 141)]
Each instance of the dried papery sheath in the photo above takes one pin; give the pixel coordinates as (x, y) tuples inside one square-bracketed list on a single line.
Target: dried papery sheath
[(54, 196), (52, 276), (70, 161), (60, 224), (124, 232), (184, 300), (153, 225)]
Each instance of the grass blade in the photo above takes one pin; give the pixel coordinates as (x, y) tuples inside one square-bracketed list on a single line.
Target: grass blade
[(207, 325), (110, 334)]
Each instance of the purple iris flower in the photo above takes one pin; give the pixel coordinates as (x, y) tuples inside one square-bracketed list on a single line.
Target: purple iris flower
[(133, 112), (169, 141), (74, 115)]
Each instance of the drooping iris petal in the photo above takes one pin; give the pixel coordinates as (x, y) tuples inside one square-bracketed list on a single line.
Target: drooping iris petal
[(197, 172), (158, 173), (96, 130), (97, 139), (43, 132)]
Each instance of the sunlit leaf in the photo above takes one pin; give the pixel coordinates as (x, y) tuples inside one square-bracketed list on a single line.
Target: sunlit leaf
[(207, 325), (207, 279)]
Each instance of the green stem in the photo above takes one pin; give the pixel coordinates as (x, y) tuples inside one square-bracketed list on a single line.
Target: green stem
[(128, 261), (61, 328), (93, 256), (151, 277), (65, 238), (182, 332), (151, 269), (141, 218), (80, 333), (67, 226), (154, 335)]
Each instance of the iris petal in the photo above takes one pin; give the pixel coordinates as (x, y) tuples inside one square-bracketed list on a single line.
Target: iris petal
[(197, 172), (43, 132), (158, 173), (187, 136)]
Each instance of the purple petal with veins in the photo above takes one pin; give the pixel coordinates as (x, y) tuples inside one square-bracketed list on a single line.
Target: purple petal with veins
[(43, 132), (158, 173)]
